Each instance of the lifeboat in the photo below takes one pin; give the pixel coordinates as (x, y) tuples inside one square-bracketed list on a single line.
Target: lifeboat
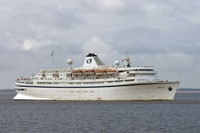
[(91, 70), (94, 70), (100, 70), (77, 71)]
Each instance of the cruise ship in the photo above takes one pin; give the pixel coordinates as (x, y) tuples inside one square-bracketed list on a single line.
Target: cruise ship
[(96, 81)]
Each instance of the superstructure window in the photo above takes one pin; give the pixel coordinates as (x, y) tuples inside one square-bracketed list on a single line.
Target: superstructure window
[(129, 80), (41, 82), (143, 69), (119, 81), (28, 82), (100, 82)]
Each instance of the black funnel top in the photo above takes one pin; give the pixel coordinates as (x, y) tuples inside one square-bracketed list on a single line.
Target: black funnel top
[(91, 55)]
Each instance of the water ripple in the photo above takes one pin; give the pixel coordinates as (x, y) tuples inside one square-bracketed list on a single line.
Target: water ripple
[(180, 115)]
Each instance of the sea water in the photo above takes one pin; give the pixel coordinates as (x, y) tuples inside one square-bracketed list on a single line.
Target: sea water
[(181, 115)]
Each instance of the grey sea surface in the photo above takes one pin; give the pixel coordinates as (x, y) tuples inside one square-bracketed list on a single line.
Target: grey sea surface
[(179, 116)]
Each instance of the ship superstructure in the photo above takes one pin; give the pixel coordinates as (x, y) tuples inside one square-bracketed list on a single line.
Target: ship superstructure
[(96, 81)]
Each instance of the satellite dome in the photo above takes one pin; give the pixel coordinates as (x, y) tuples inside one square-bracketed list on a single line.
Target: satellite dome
[(117, 63), (69, 61)]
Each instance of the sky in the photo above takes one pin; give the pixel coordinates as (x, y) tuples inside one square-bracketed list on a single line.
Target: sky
[(164, 34)]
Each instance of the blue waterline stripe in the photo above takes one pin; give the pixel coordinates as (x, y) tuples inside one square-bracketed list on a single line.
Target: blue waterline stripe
[(90, 86)]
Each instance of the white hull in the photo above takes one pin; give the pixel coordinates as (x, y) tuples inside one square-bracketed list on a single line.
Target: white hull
[(134, 91)]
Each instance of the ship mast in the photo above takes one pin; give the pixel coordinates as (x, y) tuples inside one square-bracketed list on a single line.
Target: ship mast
[(52, 55)]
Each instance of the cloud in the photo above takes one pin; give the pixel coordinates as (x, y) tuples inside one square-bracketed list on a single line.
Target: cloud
[(98, 46), (31, 44), (161, 33), (112, 6)]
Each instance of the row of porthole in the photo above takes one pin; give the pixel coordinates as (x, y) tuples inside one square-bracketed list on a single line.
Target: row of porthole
[(83, 82), (21, 89)]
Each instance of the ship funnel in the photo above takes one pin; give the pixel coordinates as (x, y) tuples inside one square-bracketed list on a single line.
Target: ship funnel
[(92, 61)]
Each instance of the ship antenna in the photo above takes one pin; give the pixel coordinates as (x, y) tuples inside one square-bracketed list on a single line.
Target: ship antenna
[(127, 60), (52, 55)]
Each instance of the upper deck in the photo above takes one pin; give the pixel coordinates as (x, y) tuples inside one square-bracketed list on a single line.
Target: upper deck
[(94, 69)]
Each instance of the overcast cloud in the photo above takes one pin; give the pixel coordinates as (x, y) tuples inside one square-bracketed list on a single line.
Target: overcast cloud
[(165, 34)]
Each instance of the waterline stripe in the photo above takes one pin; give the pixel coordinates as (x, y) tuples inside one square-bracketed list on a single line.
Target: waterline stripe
[(92, 86)]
